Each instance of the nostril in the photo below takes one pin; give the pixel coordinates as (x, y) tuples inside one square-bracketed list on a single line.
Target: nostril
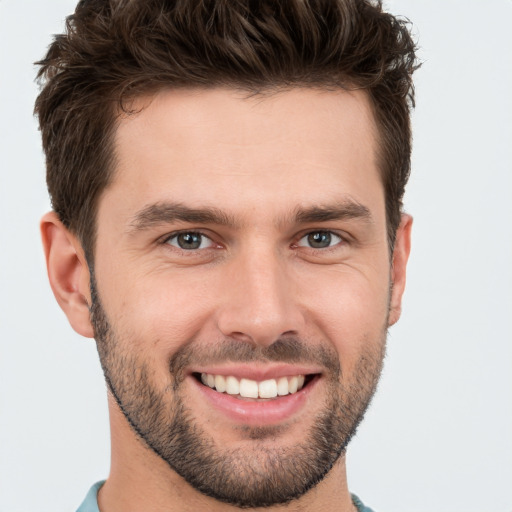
[(240, 337)]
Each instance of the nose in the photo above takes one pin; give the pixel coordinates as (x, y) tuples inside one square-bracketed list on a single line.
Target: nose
[(260, 301)]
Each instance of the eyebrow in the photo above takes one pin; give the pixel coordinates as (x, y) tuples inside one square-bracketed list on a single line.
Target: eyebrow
[(167, 213), (343, 210)]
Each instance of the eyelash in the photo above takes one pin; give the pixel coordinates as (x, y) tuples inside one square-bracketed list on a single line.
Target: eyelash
[(175, 235), (340, 240), (331, 235)]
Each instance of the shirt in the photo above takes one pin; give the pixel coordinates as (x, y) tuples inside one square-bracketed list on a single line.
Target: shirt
[(90, 504)]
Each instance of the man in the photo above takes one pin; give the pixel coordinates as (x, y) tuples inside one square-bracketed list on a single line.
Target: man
[(226, 181)]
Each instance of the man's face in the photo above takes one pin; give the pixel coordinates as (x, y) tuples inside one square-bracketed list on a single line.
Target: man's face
[(242, 283)]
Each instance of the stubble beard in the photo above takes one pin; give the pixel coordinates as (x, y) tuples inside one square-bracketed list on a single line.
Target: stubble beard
[(248, 478)]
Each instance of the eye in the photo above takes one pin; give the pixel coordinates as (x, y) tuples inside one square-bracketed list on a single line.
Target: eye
[(319, 240), (189, 241)]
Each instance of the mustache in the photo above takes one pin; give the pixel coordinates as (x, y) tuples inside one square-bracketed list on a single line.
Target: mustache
[(284, 350)]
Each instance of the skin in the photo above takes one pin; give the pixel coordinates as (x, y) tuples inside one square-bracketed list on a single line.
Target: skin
[(255, 280)]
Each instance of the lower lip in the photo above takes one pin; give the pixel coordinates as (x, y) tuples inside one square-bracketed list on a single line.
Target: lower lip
[(265, 412)]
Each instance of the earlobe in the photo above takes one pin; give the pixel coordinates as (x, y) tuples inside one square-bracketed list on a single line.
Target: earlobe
[(68, 273), (399, 266)]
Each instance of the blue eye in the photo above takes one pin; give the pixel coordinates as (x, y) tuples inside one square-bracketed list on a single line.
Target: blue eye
[(319, 240), (189, 241)]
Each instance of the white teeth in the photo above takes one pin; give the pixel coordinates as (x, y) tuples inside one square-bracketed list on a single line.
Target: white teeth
[(220, 383), (232, 386), (293, 384), (248, 388), (282, 386), (267, 389)]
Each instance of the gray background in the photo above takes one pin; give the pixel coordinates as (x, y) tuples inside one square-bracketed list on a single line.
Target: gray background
[(439, 434)]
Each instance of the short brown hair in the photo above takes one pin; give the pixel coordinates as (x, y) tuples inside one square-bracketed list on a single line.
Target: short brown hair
[(116, 50)]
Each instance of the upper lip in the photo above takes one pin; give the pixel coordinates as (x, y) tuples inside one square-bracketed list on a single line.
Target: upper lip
[(257, 372)]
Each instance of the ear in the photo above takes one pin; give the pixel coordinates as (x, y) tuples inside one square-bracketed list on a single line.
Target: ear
[(68, 273), (398, 267)]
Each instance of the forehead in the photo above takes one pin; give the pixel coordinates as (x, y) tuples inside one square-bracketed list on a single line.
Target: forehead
[(221, 148)]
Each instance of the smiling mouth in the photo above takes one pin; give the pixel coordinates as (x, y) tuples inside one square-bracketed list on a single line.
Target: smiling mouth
[(253, 390)]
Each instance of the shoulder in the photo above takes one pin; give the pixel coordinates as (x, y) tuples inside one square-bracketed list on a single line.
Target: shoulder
[(360, 505), (90, 503)]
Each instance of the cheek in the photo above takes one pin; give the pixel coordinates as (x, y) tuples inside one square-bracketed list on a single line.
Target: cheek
[(349, 309), (159, 311), (162, 312)]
